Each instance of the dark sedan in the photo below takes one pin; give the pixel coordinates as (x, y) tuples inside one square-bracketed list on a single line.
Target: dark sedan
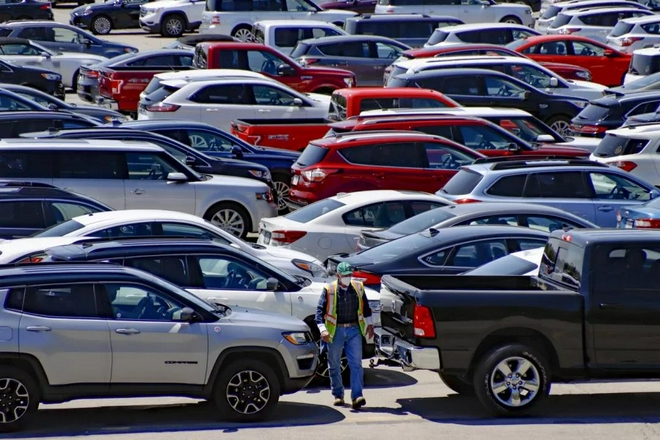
[(35, 77), (14, 124), (542, 218), (25, 10), (439, 251), (101, 18)]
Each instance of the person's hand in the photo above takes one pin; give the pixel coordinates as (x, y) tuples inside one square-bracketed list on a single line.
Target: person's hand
[(370, 331), (325, 336)]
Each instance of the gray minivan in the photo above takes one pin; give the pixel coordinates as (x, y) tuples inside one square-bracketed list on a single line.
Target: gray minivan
[(411, 29)]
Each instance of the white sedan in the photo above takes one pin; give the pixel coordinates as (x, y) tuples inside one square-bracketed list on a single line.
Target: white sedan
[(221, 101), (158, 223), (333, 225), (28, 53)]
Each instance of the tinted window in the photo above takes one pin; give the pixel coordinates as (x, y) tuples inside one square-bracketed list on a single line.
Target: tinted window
[(37, 164), (76, 300), (133, 302), (387, 155), (63, 211), (438, 37), (78, 165), (60, 230), (560, 20), (652, 28), (510, 186), (244, 5), (312, 155), (613, 145), (419, 207), (300, 50), (183, 230), (235, 94), (380, 215), (593, 112), (499, 87), (458, 86), (462, 182), (621, 28), (560, 185), (493, 36), (422, 221), (445, 157), (627, 267), (314, 210), (506, 220), (644, 64), (354, 49), (562, 264), (22, 215), (476, 254), (155, 61), (14, 299), (509, 265), (148, 166), (548, 223), (128, 230), (552, 11)]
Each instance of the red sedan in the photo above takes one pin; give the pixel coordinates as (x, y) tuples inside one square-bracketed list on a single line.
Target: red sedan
[(608, 66)]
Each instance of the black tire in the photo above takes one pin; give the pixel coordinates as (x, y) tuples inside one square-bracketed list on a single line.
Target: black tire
[(221, 215), (173, 26), (261, 391), (18, 389), (74, 80), (282, 186), (101, 25), (560, 124), (532, 368), (457, 384), (511, 19), (240, 33), (324, 91)]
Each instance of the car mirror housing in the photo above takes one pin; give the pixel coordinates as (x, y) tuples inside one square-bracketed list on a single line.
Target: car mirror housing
[(177, 177), (272, 284)]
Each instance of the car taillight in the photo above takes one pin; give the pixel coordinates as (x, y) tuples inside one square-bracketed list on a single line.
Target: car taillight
[(163, 107), (92, 74), (569, 31), (286, 237), (423, 325), (591, 129), (366, 277), (215, 19), (653, 223), (630, 40), (467, 200), (625, 165), (317, 175), (45, 7)]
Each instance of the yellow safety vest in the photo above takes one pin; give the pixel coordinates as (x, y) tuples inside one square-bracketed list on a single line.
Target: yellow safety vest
[(331, 307)]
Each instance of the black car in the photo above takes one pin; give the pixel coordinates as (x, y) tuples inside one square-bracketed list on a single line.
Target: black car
[(101, 18), (64, 38), (190, 41), (25, 10), (490, 88), (611, 111), (41, 79), (196, 160), (51, 103), (439, 251), (27, 207), (14, 124), (543, 218), (212, 141)]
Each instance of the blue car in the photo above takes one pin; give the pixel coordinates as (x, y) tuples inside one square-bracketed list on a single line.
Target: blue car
[(646, 216), (587, 189)]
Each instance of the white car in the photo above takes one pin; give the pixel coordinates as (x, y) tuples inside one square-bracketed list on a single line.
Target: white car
[(28, 53), (643, 63), (490, 33), (526, 70), (521, 263), (634, 149), (468, 11), (220, 102), (235, 18), (549, 14), (283, 35), (333, 225), (593, 23), (171, 18), (635, 33)]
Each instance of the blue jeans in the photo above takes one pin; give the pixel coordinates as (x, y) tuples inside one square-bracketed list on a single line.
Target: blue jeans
[(348, 339)]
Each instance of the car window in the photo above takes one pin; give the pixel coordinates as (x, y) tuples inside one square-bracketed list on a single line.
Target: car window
[(530, 75), (419, 207), (64, 35), (142, 229), (548, 223), (299, 6), (507, 220), (62, 300), (526, 244), (34, 98), (501, 87), (132, 302), (234, 94), (495, 36), (470, 36), (36, 33), (614, 187), (263, 62), (22, 215), (387, 51), (165, 61), (267, 95), (382, 215), (353, 49), (76, 165), (582, 48), (481, 137), (313, 211), (387, 155), (184, 230), (508, 186), (173, 268), (652, 28), (436, 258), (626, 268), (64, 211), (647, 107), (457, 85), (477, 253), (445, 157), (26, 164), (205, 141), (613, 145), (559, 185), (224, 272), (148, 166), (19, 49), (518, 34)]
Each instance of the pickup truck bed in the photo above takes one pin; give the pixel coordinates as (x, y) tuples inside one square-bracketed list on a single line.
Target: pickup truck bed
[(287, 134)]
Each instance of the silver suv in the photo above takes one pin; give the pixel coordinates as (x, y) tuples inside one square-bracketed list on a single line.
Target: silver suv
[(108, 331)]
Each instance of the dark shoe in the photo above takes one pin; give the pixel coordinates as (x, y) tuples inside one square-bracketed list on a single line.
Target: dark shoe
[(359, 403), (338, 401)]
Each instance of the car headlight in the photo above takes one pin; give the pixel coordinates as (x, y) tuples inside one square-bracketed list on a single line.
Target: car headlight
[(528, 11), (130, 50), (350, 82), (581, 104), (267, 196), (375, 306), (51, 76), (298, 338), (261, 174), (315, 270), (153, 11)]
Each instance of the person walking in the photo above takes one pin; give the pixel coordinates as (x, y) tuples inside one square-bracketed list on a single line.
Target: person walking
[(343, 317)]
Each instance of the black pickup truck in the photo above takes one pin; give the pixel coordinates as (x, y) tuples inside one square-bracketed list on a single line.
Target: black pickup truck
[(592, 312)]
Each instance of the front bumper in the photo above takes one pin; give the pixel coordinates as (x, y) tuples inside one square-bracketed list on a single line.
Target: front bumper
[(82, 22), (411, 357), (150, 25)]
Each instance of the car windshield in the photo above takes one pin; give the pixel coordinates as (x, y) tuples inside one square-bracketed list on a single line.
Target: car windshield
[(313, 211), (391, 250), (60, 229), (510, 265), (560, 20), (463, 182), (593, 112), (613, 145), (621, 28), (311, 155), (527, 128), (642, 82), (422, 221)]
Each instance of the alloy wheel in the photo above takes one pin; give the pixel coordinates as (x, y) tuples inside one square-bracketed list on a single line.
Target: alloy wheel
[(515, 382), (561, 127), (323, 370), (14, 400), (102, 25), (229, 220), (248, 392), (244, 34), (174, 26), (283, 190)]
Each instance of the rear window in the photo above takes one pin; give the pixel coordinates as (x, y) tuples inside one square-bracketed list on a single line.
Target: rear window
[(562, 262), (61, 229), (508, 265), (310, 212), (593, 112), (552, 11), (613, 145), (621, 28), (153, 85), (394, 249), (5, 32), (337, 110), (299, 50), (312, 155), (644, 64), (422, 221), (463, 182), (560, 20), (438, 37), (160, 94), (393, 81)]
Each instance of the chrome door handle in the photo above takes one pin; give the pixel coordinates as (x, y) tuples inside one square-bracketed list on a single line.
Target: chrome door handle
[(211, 109), (137, 191), (37, 328), (213, 298), (605, 208), (127, 331), (262, 110)]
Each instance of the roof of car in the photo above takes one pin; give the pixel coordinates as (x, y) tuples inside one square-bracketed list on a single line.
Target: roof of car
[(385, 92), (294, 23), (155, 124), (10, 190), (476, 112), (498, 208), (76, 144), (360, 197), (394, 117), (585, 236), (637, 131), (210, 73), (191, 40), (454, 46), (345, 139), (642, 19), (599, 10), (348, 38), (477, 59), (481, 26), (458, 71), (402, 17), (230, 80), (648, 51), (10, 274), (525, 165), (129, 215)]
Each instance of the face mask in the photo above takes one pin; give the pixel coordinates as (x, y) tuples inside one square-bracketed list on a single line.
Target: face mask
[(344, 280)]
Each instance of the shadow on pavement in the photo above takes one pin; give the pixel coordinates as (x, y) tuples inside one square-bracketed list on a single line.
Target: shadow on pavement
[(160, 418), (379, 377), (565, 408)]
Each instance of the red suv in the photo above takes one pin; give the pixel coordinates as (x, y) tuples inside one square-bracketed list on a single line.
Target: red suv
[(402, 160)]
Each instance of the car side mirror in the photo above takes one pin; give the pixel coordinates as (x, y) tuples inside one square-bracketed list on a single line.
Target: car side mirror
[(53, 107), (285, 70), (297, 102), (45, 54), (236, 151), (513, 147), (545, 138), (527, 95), (190, 161), (272, 284), (187, 314), (554, 82), (608, 53), (654, 194), (177, 177)]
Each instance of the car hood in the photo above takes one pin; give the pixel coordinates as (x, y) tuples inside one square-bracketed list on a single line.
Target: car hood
[(327, 71), (164, 4), (586, 84), (234, 182), (316, 287), (554, 149), (80, 9), (247, 315), (82, 57)]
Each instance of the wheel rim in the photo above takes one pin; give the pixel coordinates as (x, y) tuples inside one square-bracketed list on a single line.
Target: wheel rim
[(243, 34), (515, 382), (323, 370), (512, 20), (282, 189), (561, 127), (197, 141), (229, 220), (14, 400), (173, 26), (102, 25), (248, 392)]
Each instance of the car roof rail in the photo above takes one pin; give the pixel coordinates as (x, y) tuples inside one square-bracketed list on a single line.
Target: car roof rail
[(16, 183), (541, 162), (90, 241)]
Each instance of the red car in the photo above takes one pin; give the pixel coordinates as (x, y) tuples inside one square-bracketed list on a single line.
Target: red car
[(402, 160), (564, 70), (608, 66)]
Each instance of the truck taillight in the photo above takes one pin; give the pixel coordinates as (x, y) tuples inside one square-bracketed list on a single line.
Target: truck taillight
[(317, 175), (116, 85), (215, 19), (366, 277), (625, 42), (286, 237), (423, 325), (647, 223), (625, 165), (163, 107)]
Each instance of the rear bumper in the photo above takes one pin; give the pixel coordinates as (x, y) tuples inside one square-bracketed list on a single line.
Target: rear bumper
[(409, 356), (108, 103)]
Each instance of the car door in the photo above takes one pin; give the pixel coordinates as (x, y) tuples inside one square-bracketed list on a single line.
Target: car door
[(554, 51), (613, 191), (274, 102), (25, 54), (467, 93), (591, 56), (147, 187), (444, 161), (220, 104), (129, 16), (382, 55), (565, 190), (66, 40), (144, 324), (63, 327), (103, 181), (376, 215)]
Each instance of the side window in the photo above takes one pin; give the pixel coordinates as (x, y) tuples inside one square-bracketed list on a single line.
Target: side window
[(587, 49), (135, 302), (445, 157), (510, 186), (532, 49), (357, 155), (525, 244), (421, 103), (183, 230), (14, 299), (148, 166), (367, 104), (647, 107), (548, 223), (172, 268), (64, 35), (390, 155), (352, 50), (470, 36), (63, 211), (419, 207), (184, 60), (298, 6), (286, 37), (224, 272), (24, 164), (530, 75), (381, 215), (62, 301), (495, 36), (206, 141), (518, 34), (558, 185), (223, 94), (477, 254), (266, 95), (9, 104), (19, 49), (76, 165), (35, 33), (387, 51), (129, 230), (436, 258), (614, 187), (22, 215), (653, 28), (627, 267), (507, 220), (479, 137), (164, 61), (334, 49), (458, 86), (501, 87), (263, 62), (438, 130)]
